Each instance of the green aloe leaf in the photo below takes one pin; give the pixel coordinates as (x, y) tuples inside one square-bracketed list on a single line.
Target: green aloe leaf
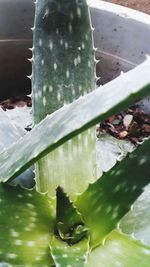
[(111, 197), (70, 244), (69, 256), (69, 224), (73, 162), (120, 250), (137, 221), (63, 55), (73, 119), (26, 219), (63, 70), (109, 150), (9, 134)]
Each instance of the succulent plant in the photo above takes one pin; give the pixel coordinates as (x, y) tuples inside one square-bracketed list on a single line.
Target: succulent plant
[(72, 217)]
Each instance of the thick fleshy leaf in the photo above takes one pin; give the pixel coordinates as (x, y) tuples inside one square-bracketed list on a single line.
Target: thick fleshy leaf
[(26, 219), (120, 250), (137, 221), (76, 117), (63, 70), (111, 197), (9, 134), (21, 117), (69, 224), (71, 166), (70, 244), (65, 255), (63, 55), (109, 150)]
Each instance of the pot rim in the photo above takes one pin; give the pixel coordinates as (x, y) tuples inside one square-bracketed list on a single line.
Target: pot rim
[(121, 11)]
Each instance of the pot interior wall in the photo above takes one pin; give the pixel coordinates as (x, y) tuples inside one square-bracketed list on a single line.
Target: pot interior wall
[(16, 20), (119, 38)]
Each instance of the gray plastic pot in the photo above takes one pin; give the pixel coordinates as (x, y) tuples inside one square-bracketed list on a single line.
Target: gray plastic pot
[(121, 35), (16, 19)]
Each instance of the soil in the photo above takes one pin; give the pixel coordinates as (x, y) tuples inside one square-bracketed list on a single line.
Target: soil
[(141, 5), (19, 101), (132, 124)]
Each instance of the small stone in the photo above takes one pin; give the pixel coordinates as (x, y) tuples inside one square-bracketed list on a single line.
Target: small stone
[(116, 122), (123, 134), (127, 120), (112, 118)]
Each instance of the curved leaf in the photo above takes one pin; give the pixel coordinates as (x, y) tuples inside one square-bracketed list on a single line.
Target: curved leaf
[(137, 221), (69, 224), (76, 117), (109, 150), (9, 134), (26, 218), (120, 251), (111, 197), (70, 244), (65, 255)]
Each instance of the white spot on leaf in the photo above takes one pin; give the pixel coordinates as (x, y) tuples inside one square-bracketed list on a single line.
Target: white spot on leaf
[(83, 45), (61, 41), (44, 101), (18, 242), (58, 96), (14, 233), (70, 28), (51, 45), (40, 42), (50, 88), (44, 88), (55, 66), (66, 45), (79, 12), (67, 73), (31, 243)]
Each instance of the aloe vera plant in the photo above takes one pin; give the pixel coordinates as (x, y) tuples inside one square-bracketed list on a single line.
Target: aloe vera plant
[(72, 217)]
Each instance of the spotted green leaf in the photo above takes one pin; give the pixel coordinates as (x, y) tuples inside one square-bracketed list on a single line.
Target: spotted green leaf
[(9, 134), (69, 224), (63, 70), (63, 55), (136, 222), (120, 250), (70, 243), (69, 121), (69, 256), (26, 219), (111, 197), (109, 150)]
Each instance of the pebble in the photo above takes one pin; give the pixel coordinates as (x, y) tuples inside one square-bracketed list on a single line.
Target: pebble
[(127, 120), (123, 134)]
